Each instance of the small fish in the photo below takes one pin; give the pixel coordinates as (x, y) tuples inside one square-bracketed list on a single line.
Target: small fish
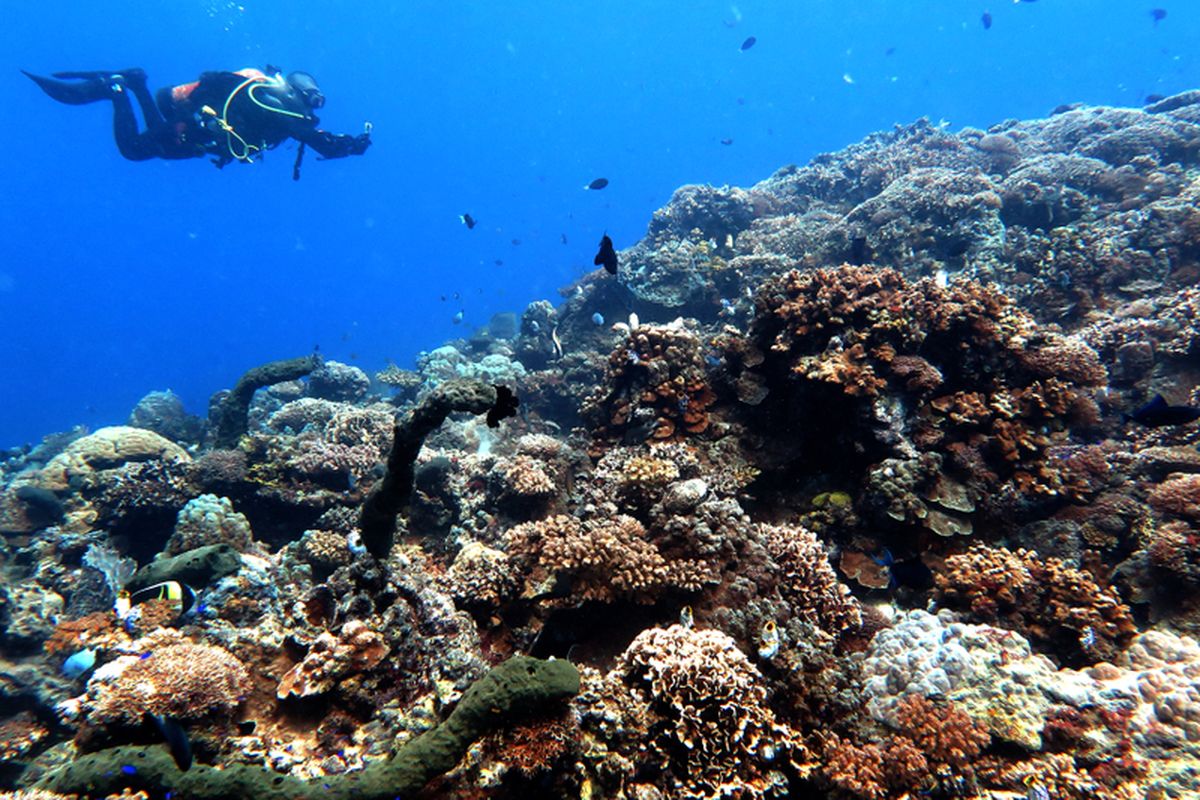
[(516, 242), (634, 321), (468, 220), (750, 42), (607, 256), (535, 326), (563, 237), (1157, 413), (597, 184), (506, 406), (727, 142), (458, 318), (597, 318), (769, 641), (128, 769), (79, 663), (986, 19), (499, 262), (687, 618), (176, 738), (1151, 99), (1158, 15)]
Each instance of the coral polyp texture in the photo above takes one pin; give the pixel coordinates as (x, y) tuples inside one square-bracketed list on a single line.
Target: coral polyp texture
[(851, 484)]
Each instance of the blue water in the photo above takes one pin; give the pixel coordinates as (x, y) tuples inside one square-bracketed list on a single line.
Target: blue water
[(119, 278)]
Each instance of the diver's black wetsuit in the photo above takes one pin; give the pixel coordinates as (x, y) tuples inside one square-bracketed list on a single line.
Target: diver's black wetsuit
[(228, 115)]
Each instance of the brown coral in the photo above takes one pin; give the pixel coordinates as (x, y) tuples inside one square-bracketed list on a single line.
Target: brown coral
[(1050, 603), (808, 581), (184, 680), (605, 560), (356, 648), (712, 725)]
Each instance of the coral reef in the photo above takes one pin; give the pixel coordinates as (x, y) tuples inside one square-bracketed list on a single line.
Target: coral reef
[(837, 489)]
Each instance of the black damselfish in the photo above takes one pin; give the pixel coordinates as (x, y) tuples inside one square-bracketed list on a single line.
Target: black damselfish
[(506, 406), (750, 41), (1157, 413), (468, 220), (177, 740), (607, 256), (597, 184)]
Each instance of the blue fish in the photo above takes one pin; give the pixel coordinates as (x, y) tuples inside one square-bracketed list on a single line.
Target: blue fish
[(129, 769), (79, 663), (598, 318)]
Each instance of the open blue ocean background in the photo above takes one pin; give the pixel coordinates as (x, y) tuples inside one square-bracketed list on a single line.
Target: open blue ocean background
[(119, 278)]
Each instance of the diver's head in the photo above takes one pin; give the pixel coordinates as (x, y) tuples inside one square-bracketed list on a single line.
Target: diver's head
[(306, 86)]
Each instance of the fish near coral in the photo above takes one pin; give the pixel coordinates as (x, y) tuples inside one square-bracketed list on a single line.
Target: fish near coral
[(1158, 413), (79, 663)]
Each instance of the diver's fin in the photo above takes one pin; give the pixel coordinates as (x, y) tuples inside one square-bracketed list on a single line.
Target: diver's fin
[(75, 92), (132, 75)]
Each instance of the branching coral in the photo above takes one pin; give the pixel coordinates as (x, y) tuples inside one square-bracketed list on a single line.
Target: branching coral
[(951, 369), (1060, 607), (605, 560), (932, 750)]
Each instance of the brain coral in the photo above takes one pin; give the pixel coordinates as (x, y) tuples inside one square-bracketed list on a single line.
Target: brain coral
[(105, 449)]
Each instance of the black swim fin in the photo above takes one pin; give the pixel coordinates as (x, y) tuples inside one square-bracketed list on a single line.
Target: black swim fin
[(74, 92), (130, 77)]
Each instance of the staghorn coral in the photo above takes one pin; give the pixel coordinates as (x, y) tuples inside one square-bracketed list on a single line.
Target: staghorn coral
[(179, 679), (331, 658), (605, 560), (1054, 605)]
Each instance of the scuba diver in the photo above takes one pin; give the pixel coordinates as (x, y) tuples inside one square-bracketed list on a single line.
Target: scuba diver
[(231, 116)]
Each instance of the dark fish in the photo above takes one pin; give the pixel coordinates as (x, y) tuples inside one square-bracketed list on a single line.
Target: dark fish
[(986, 19), (1158, 15), (607, 256), (1151, 99), (889, 51), (176, 738), (750, 42), (516, 242), (468, 220), (727, 141), (499, 262), (506, 406), (564, 238), (860, 251), (597, 184), (1157, 414)]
